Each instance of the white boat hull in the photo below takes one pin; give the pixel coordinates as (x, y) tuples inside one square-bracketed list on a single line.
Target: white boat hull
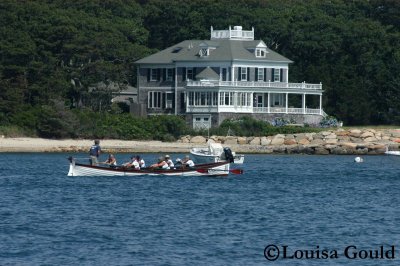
[(202, 155), (215, 169), (397, 153)]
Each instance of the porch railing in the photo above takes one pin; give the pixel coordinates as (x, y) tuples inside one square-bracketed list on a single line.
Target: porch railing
[(255, 84), (308, 111), (248, 109)]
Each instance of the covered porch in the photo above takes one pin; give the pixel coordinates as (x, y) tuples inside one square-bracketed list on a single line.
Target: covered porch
[(221, 101)]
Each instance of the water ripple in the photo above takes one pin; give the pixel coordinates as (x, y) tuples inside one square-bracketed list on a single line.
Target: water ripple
[(300, 201)]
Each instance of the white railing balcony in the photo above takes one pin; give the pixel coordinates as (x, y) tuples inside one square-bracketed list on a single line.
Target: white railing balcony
[(249, 109), (233, 34), (255, 84), (291, 110)]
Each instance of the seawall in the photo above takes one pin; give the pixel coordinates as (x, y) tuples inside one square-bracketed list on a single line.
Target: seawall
[(354, 141)]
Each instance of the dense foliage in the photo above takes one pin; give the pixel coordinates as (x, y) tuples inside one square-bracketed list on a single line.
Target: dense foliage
[(52, 53)]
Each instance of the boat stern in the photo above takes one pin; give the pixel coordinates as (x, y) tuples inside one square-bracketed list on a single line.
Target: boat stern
[(71, 166)]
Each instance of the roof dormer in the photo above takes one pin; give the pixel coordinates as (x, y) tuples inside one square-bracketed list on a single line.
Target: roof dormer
[(205, 49), (260, 50)]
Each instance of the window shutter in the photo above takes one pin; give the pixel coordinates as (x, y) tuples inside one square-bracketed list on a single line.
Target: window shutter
[(273, 74), (164, 100), (148, 74), (248, 74), (265, 74), (150, 99), (239, 73), (183, 73), (256, 74), (281, 74), (164, 73), (173, 74), (194, 73)]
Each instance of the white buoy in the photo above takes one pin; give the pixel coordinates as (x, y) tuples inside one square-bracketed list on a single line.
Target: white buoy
[(358, 160)]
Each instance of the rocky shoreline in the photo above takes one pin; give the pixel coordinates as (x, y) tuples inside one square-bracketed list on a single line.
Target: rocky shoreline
[(341, 141), (354, 141)]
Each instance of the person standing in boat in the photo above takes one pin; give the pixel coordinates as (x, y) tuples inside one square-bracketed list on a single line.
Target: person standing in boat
[(169, 161), (187, 161), (94, 152)]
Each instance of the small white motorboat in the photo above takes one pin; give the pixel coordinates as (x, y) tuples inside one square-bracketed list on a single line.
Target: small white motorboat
[(397, 153), (215, 153)]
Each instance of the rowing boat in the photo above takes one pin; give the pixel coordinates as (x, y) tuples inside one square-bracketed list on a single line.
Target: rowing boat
[(209, 169)]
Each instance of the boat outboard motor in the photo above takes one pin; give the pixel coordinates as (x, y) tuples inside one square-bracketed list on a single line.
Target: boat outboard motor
[(228, 154)]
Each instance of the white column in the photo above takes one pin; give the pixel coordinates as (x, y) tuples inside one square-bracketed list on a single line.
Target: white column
[(187, 100), (287, 75), (252, 101), (218, 101), (233, 73), (287, 99), (268, 104), (320, 104), (304, 103)]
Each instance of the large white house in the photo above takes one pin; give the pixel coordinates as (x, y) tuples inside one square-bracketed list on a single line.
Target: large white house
[(228, 76)]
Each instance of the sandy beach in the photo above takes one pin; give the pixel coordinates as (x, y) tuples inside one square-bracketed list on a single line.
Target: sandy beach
[(83, 145)]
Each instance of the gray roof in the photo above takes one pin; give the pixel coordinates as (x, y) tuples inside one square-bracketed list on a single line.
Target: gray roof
[(226, 50), (208, 74)]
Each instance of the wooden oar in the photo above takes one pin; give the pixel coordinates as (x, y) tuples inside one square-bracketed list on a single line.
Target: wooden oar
[(236, 171), (232, 171)]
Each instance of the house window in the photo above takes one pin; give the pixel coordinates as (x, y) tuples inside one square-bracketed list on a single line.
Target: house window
[(168, 99), (189, 73), (154, 74), (169, 72), (224, 74), (260, 52), (197, 98), (226, 98), (191, 98), (155, 99), (277, 74), (208, 99), (243, 73), (248, 99), (260, 74), (203, 98), (243, 99), (203, 52)]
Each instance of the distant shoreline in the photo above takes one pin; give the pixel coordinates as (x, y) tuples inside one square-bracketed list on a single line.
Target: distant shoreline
[(354, 141)]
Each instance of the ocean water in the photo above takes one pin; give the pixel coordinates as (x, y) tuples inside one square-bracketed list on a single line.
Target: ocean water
[(304, 204)]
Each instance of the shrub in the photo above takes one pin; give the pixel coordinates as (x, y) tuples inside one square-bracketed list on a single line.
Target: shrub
[(329, 121)]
